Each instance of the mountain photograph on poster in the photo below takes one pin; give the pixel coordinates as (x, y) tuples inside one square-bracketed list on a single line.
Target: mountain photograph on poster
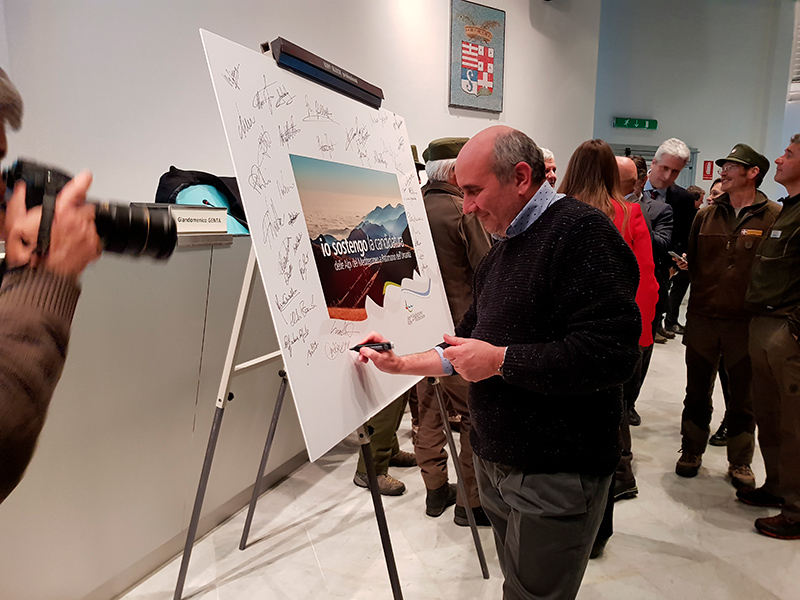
[(359, 232)]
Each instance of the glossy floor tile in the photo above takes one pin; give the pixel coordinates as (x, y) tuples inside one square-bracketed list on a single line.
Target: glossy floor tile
[(315, 536)]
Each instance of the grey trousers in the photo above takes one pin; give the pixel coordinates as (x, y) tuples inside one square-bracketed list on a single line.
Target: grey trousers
[(776, 374), (544, 526)]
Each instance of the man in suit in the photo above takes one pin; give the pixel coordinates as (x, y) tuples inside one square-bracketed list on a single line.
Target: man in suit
[(670, 159)]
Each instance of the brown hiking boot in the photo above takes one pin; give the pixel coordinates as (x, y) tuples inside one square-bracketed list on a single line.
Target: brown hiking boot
[(403, 459), (688, 465), (387, 485)]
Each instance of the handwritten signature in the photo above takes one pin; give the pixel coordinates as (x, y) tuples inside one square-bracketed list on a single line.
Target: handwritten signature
[(284, 97), (245, 124), (343, 328), (326, 147), (271, 224), (297, 241), (264, 144), (334, 349), (304, 266), (410, 182), (299, 313), (357, 135), (288, 131), (263, 98), (290, 339), (381, 118), (257, 180), (312, 348), (318, 112), (284, 189), (285, 299), (284, 267), (232, 76), (398, 122)]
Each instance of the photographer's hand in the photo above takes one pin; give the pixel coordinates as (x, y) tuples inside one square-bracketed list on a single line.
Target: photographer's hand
[(74, 242)]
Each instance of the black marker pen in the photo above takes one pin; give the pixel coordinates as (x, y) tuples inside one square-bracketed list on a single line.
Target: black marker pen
[(380, 347)]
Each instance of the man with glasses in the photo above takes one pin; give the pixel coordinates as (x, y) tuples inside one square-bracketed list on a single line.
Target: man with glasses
[(721, 250)]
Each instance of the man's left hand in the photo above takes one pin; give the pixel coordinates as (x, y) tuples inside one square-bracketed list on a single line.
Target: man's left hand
[(474, 360)]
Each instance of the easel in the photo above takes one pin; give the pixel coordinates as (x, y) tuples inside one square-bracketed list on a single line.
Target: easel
[(223, 397)]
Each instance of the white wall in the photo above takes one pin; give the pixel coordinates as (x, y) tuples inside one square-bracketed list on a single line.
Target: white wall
[(122, 87), (713, 72)]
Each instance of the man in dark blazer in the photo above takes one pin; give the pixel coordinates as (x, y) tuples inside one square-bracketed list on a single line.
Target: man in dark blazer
[(670, 159)]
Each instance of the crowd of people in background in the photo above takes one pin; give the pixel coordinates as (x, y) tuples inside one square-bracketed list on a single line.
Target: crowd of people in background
[(578, 282)]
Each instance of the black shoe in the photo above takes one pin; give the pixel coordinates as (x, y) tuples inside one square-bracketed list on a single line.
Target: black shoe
[(720, 438), (439, 499), (481, 520), (667, 334), (759, 497), (779, 526), (676, 328), (625, 490), (634, 420), (598, 547)]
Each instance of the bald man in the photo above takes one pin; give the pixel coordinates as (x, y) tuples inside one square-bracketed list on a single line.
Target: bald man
[(551, 335)]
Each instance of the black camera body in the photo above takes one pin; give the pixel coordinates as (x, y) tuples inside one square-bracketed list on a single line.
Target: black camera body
[(130, 230)]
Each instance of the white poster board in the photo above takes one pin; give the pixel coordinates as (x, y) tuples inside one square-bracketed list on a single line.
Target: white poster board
[(340, 234)]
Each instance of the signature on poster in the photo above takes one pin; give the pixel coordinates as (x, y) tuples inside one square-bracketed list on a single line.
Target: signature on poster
[(304, 266), (312, 348), (357, 135), (271, 224), (285, 268), (409, 183), (288, 131), (319, 112), (283, 301), (290, 339), (299, 313), (381, 119), (264, 144), (232, 76), (401, 143), (245, 124), (343, 328), (334, 349), (326, 147), (257, 180), (398, 122), (284, 189), (298, 239), (284, 97), (263, 97)]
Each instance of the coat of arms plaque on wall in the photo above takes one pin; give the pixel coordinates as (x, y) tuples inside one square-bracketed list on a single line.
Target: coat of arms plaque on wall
[(477, 51)]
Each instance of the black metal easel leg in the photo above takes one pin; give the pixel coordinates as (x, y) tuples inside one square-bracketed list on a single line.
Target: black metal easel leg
[(380, 515), (276, 413), (434, 381), (198, 501)]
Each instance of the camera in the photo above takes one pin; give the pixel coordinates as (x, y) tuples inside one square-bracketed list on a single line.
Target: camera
[(132, 230)]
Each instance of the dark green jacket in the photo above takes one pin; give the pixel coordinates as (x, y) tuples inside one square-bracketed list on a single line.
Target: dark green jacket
[(775, 280), (721, 253)]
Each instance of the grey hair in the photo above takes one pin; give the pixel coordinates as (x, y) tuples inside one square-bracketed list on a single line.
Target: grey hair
[(10, 102), (795, 139), (547, 154), (673, 147), (511, 148), (439, 170)]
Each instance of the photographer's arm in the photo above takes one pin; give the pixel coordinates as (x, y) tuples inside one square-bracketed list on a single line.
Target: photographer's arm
[(36, 310)]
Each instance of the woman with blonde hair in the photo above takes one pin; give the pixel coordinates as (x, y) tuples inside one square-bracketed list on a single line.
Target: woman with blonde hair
[(592, 177)]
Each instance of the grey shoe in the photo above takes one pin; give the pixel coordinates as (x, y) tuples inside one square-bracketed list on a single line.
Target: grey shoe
[(387, 485)]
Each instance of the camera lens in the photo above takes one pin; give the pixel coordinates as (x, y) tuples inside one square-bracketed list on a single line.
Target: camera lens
[(136, 230)]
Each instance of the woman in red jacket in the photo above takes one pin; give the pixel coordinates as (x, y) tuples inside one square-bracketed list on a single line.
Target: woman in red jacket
[(592, 177)]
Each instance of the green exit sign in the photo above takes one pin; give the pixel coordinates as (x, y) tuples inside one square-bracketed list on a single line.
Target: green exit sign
[(629, 123)]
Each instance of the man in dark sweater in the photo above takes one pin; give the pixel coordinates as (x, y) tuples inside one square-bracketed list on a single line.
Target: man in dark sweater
[(551, 335), (38, 296)]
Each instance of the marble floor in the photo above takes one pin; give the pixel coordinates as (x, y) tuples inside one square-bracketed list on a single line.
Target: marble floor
[(315, 536)]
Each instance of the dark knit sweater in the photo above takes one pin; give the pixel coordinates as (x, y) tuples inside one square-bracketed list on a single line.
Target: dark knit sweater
[(561, 296)]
